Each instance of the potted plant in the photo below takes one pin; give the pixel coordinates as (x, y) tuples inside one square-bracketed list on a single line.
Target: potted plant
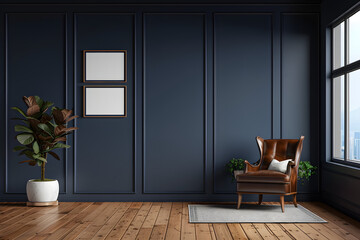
[(39, 135), (235, 167), (306, 170)]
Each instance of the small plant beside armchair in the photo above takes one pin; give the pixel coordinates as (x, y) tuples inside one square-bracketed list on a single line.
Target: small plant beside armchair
[(235, 166), (306, 170)]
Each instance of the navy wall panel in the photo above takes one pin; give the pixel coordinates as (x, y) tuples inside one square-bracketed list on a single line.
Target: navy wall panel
[(243, 89), (29, 36), (174, 103), (203, 82), (300, 98), (104, 146)]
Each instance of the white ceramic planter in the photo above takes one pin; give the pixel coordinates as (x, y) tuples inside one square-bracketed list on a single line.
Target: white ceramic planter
[(46, 191)]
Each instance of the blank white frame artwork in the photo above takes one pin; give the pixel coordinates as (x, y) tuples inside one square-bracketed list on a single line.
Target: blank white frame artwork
[(104, 65), (104, 101)]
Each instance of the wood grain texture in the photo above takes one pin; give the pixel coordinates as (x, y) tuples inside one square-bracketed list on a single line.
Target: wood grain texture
[(161, 223), (122, 225), (42, 204), (146, 220), (222, 231), (237, 231), (148, 224), (295, 231), (174, 226), (279, 232), (187, 229), (99, 221), (109, 225), (251, 231), (135, 225), (264, 231), (202, 231)]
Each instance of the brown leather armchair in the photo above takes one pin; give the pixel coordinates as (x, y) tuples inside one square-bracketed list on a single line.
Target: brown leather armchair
[(258, 180)]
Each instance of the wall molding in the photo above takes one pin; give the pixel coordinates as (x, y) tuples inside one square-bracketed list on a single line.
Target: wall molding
[(215, 80), (6, 93), (81, 83), (317, 125), (144, 191)]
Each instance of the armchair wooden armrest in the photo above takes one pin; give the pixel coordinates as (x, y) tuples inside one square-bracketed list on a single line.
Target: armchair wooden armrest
[(251, 168), (290, 166)]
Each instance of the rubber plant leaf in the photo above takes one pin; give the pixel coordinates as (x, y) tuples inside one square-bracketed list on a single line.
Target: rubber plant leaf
[(66, 113), (25, 138), (45, 118), (54, 155), (32, 163), (39, 101), (60, 139), (71, 118), (18, 148), (27, 152), (21, 119), (61, 145), (58, 116), (19, 111), (41, 159), (61, 115), (26, 161), (33, 110), (45, 128), (33, 106), (29, 101), (44, 138), (70, 129), (61, 129), (36, 147), (21, 128), (46, 105), (33, 123)]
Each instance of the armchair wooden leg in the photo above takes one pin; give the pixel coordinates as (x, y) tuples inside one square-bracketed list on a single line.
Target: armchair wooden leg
[(239, 200), (282, 202), (294, 200), (260, 198)]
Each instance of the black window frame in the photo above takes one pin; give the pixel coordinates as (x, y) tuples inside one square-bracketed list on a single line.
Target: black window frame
[(343, 71)]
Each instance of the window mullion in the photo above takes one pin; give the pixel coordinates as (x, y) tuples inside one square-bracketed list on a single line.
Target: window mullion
[(346, 120), (346, 93), (346, 42)]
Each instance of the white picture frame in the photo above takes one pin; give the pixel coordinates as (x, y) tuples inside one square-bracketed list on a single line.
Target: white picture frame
[(104, 101), (104, 66)]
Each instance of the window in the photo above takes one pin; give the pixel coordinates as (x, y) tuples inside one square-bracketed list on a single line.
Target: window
[(346, 90)]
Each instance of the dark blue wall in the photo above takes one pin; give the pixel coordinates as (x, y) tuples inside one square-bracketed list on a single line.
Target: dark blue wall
[(203, 82), (338, 182)]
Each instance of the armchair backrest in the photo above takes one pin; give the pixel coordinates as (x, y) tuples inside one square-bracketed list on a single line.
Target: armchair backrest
[(280, 149)]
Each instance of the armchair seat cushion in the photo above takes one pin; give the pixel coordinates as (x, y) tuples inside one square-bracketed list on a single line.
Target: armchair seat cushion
[(263, 176)]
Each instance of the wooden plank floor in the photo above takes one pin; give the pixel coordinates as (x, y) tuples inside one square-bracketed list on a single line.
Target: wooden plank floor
[(136, 220)]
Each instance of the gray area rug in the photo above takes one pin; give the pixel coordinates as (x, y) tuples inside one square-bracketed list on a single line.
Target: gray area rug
[(250, 213)]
